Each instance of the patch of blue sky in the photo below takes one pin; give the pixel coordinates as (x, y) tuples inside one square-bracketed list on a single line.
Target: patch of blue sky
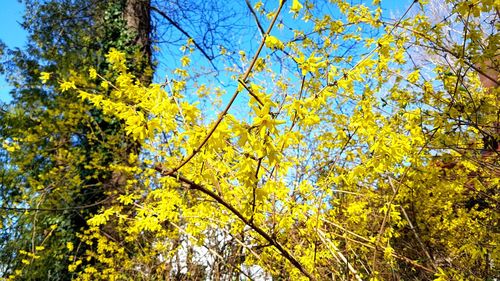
[(246, 39), (11, 34), (249, 41)]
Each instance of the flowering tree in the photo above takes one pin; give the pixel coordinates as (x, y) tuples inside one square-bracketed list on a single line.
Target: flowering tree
[(337, 155)]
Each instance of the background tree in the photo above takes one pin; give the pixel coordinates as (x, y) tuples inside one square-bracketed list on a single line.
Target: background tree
[(59, 174), (57, 171)]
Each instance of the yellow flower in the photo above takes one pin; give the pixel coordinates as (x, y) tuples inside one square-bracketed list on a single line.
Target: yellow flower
[(92, 73), (116, 59), (274, 43), (413, 77), (296, 6), (72, 267), (185, 61), (10, 146), (105, 85), (67, 85), (45, 76), (70, 246)]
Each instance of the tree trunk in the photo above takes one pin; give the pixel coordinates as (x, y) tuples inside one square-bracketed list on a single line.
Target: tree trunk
[(137, 15)]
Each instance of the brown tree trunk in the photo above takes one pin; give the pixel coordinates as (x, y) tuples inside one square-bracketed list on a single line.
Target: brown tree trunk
[(137, 15)]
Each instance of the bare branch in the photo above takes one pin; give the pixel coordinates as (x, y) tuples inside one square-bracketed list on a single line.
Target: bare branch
[(255, 17), (183, 31)]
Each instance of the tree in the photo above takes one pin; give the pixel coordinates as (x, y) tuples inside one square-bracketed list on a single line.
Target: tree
[(56, 172), (338, 155)]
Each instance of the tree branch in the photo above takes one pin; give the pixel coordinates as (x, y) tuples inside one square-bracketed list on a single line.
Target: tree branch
[(444, 49), (28, 209), (255, 17), (235, 95), (178, 27), (194, 186)]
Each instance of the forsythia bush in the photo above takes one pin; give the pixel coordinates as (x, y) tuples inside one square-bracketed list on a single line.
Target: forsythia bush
[(318, 166)]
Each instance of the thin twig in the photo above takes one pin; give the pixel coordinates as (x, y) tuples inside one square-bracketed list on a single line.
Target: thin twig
[(414, 230), (178, 27), (251, 92), (235, 95), (54, 209), (194, 186), (322, 236), (261, 29)]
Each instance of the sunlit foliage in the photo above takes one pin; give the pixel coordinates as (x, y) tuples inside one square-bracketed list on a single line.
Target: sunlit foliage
[(339, 154)]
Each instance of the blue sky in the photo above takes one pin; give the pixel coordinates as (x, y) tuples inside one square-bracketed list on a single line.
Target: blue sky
[(14, 36), (11, 34)]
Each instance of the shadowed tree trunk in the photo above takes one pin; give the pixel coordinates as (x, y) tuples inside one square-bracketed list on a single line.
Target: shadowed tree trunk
[(137, 15)]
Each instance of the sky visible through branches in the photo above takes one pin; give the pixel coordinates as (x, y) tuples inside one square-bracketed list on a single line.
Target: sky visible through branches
[(12, 34)]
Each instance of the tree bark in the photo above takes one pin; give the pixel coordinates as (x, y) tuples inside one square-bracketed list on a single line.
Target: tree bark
[(137, 15)]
